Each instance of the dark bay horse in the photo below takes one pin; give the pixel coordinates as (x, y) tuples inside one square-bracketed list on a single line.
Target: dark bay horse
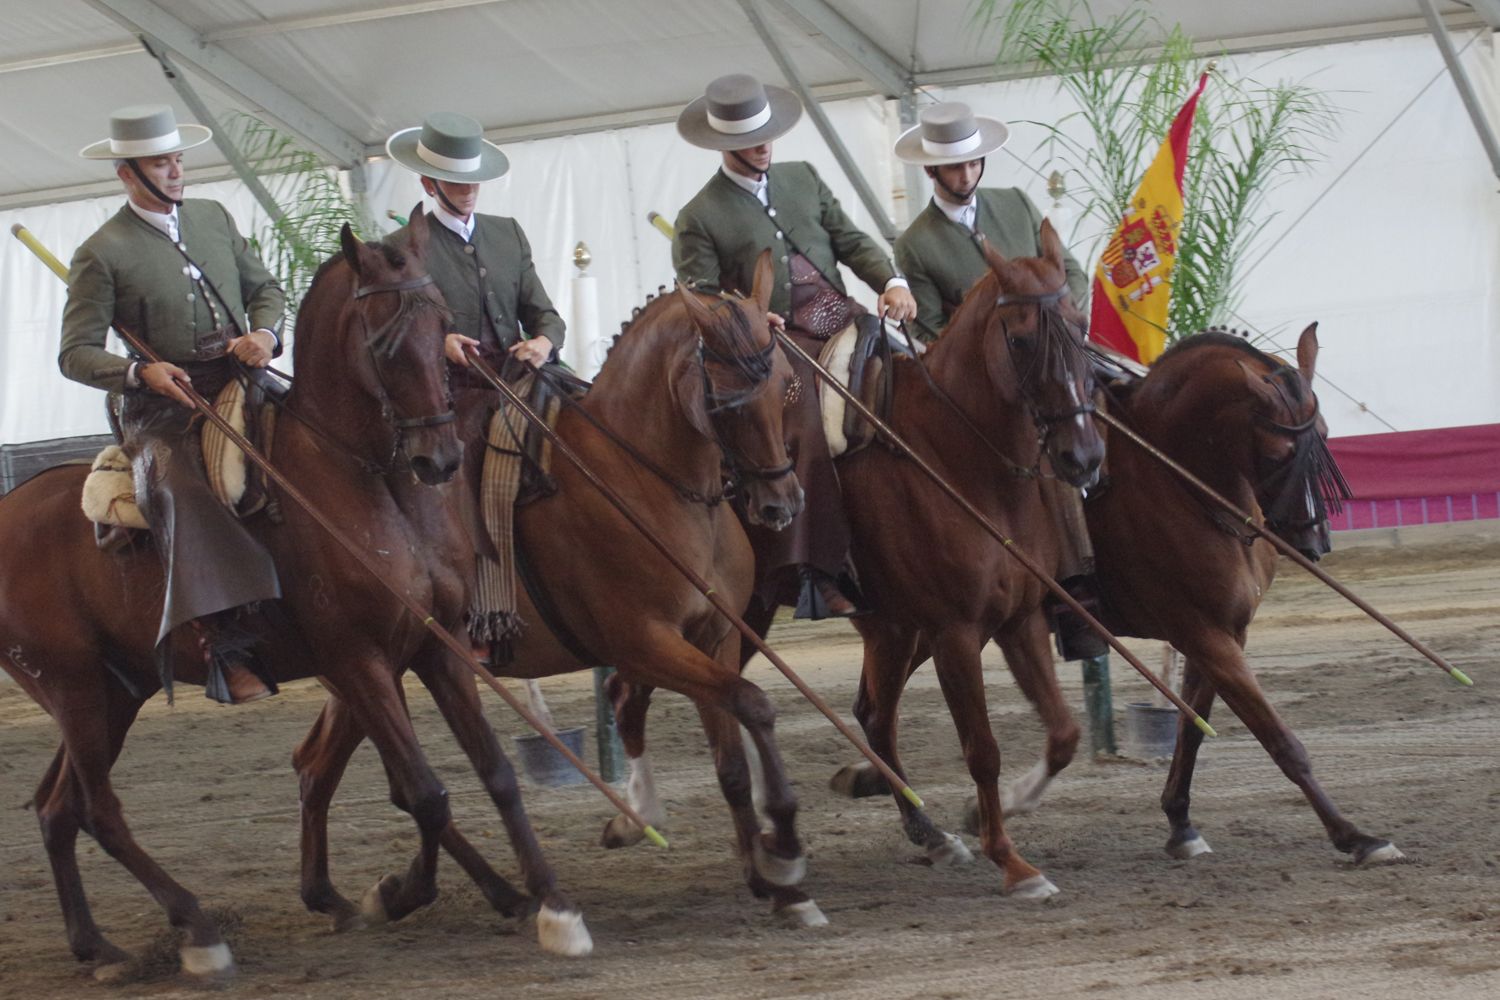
[(373, 443), (1012, 361), (692, 384), (1173, 566)]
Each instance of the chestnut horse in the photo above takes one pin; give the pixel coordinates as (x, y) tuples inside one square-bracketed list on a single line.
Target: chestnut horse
[(374, 436), (692, 383), (1173, 566), (1012, 361)]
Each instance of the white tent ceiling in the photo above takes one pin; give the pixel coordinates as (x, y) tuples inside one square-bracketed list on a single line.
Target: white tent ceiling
[(345, 73)]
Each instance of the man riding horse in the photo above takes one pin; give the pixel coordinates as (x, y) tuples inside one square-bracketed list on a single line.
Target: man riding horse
[(749, 206), (941, 253), (482, 264), (177, 274)]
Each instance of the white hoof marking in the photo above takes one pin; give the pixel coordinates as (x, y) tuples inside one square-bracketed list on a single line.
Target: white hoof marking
[(1190, 848), (804, 914), (1022, 796), (116, 972), (215, 960), (563, 933), (372, 906), (951, 852), (1036, 887), (1387, 855), (779, 871)]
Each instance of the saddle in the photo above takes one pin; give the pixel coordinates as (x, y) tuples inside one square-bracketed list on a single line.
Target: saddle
[(109, 491), (859, 356)]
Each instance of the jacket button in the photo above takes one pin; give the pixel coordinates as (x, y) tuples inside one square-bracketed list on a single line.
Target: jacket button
[(779, 235), (783, 258), (483, 272), (771, 212), (191, 296), (468, 248), (788, 286), (187, 269)]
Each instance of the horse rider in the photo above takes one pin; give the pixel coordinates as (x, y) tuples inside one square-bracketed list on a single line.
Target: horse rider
[(482, 264), (178, 275), (940, 254), (750, 205)]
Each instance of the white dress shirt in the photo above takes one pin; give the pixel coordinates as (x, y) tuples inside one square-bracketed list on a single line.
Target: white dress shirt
[(966, 215), (463, 227)]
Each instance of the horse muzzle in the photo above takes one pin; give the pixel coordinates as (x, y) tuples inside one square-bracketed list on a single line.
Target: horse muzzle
[(774, 504)]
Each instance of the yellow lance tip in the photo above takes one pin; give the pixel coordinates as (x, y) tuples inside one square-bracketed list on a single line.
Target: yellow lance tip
[(912, 797), (655, 837), (1460, 676), (1202, 724)]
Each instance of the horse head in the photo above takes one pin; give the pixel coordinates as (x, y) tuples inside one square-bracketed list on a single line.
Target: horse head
[(1296, 478), (739, 384), (391, 335), (1034, 354)]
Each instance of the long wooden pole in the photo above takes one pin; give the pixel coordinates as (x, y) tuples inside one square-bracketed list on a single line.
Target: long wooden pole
[(994, 531), (1284, 547), (363, 558), (690, 574)]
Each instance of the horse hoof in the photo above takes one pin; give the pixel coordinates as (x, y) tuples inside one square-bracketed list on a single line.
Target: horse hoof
[(1190, 848), (1385, 854), (211, 962), (803, 914), (1036, 887), (778, 871), (859, 781), (621, 832), (353, 920), (372, 906), (950, 852), (117, 973), (563, 933)]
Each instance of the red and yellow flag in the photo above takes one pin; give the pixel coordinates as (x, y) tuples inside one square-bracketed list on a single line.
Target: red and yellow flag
[(1134, 278)]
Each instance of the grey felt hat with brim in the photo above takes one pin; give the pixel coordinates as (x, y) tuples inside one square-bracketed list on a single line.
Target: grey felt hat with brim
[(738, 112), (145, 130), (448, 147), (950, 133)]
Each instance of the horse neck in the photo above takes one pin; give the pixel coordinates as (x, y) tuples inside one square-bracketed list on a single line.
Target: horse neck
[(632, 399), (958, 365)]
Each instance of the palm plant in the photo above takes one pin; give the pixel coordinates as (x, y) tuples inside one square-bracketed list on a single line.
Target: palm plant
[(1129, 75)]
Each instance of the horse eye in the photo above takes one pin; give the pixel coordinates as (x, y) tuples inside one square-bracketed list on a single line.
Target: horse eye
[(1021, 343)]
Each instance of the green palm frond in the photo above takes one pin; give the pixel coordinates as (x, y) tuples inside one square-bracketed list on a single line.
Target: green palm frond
[(1129, 74)]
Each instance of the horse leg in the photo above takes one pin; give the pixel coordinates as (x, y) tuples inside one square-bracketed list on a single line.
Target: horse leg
[(1185, 841), (319, 761), (861, 780), (1223, 658), (560, 925), (1025, 646), (630, 703), (82, 788), (956, 655)]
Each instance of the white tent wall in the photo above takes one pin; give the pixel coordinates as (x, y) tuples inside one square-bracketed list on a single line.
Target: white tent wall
[(1395, 260)]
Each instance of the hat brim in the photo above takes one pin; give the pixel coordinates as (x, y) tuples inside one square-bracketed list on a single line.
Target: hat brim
[(402, 147), (191, 135), (693, 124), (993, 134)]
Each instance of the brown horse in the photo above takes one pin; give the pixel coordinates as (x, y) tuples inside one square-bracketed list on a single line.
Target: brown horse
[(1012, 362), (1172, 566), (692, 384), (374, 436)]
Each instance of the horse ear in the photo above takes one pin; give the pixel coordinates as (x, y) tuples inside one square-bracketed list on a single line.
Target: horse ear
[(1051, 243), (1307, 351), (701, 316), (765, 279), (417, 223), (352, 247), (1003, 268)]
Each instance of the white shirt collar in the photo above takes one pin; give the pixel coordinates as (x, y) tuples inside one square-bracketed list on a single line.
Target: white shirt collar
[(463, 227), (754, 186), (164, 222), (965, 215)]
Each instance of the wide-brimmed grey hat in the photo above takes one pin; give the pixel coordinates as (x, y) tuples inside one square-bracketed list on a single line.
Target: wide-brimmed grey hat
[(738, 112), (448, 147), (950, 133), (145, 130)]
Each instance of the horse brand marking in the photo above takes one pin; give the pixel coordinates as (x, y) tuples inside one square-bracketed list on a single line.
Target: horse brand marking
[(18, 657)]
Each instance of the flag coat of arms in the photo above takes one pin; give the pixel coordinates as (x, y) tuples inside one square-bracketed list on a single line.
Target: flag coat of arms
[(1134, 278)]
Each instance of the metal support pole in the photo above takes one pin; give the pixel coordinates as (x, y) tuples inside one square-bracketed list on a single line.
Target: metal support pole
[(914, 178), (1099, 705), (606, 734), (1464, 84), (200, 111), (820, 121)]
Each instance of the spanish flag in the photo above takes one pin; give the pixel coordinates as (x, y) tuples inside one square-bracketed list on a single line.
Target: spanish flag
[(1134, 277)]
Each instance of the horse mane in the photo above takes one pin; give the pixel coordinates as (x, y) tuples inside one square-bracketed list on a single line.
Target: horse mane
[(1224, 338), (741, 344)]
